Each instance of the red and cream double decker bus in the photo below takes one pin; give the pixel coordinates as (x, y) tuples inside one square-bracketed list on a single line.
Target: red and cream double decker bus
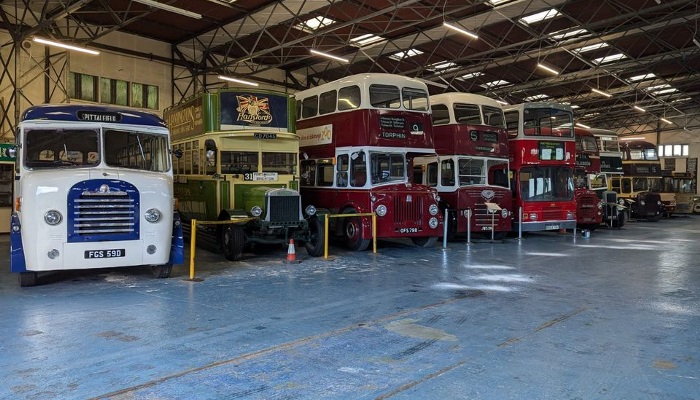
[(542, 158), (358, 136), (470, 171), (589, 208)]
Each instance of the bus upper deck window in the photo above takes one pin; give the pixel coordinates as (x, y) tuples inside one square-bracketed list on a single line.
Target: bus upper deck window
[(384, 96), (415, 99), (327, 101), (349, 98), (467, 114), (440, 114), (493, 116), (309, 107)]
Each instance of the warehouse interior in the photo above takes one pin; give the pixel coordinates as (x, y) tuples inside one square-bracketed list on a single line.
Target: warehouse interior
[(550, 315)]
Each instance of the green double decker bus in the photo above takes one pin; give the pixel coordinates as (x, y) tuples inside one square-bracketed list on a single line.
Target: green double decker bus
[(237, 160)]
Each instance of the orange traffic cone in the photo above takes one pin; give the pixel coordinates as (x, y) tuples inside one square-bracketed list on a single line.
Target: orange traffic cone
[(291, 253)]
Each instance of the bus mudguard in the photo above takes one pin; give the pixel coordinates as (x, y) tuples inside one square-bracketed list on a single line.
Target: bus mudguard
[(177, 248), (17, 261)]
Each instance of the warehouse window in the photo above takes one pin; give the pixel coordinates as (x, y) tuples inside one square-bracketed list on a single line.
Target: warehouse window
[(673, 150), (82, 86)]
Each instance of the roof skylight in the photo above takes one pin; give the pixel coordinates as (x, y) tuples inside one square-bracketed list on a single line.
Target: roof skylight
[(608, 59), (493, 84), (568, 34), (366, 40), (405, 54), (314, 24), (642, 77), (470, 75), (442, 66), (536, 97), (540, 16), (591, 47)]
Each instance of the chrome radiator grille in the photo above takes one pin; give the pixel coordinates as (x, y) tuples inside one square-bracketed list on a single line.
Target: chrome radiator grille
[(408, 211), (104, 213)]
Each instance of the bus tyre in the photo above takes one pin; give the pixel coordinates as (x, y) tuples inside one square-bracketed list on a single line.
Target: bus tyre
[(27, 279), (425, 242), (162, 271), (314, 246), (655, 218), (353, 233), (620, 221), (233, 241)]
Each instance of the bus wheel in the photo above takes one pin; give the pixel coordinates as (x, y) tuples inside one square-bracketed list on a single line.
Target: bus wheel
[(27, 279), (655, 218), (233, 241), (497, 235), (620, 221), (161, 271), (314, 246), (426, 241), (353, 233)]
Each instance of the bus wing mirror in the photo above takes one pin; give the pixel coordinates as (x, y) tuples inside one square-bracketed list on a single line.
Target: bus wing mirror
[(12, 152)]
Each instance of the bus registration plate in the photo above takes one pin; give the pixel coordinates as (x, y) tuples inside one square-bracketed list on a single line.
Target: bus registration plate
[(112, 253), (408, 230), (550, 227)]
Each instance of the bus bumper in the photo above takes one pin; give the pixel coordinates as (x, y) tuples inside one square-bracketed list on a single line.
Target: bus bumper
[(536, 226), (17, 262)]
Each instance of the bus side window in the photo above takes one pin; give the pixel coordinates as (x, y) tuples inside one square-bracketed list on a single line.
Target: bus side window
[(447, 173), (626, 185), (358, 170), (615, 184), (308, 173), (309, 107), (432, 174), (342, 174), (440, 114), (512, 123), (324, 174), (349, 98), (327, 102)]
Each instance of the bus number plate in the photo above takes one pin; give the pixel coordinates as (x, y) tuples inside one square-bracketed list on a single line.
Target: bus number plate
[(112, 253), (408, 230), (485, 228), (550, 227)]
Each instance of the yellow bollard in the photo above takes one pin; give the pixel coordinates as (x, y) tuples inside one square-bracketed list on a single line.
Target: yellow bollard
[(325, 236), (374, 233), (193, 234)]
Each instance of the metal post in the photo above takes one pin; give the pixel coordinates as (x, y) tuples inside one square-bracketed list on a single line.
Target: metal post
[(374, 233), (325, 236), (444, 231), (193, 234), (469, 225), (520, 222), (493, 228)]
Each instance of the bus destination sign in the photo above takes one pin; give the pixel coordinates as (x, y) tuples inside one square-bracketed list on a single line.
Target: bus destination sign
[(99, 116)]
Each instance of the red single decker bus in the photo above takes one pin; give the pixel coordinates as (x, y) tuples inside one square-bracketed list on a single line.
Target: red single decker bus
[(358, 137), (542, 158), (589, 206), (470, 171)]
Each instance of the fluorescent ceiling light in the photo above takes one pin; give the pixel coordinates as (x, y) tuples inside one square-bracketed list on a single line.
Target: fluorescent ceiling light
[(633, 138), (322, 54), (540, 16), (501, 102), (460, 30), (610, 58), (405, 54), (237, 80), (666, 121), (169, 8), (601, 92), (548, 69), (583, 126), (66, 46), (696, 41), (638, 108), (494, 3)]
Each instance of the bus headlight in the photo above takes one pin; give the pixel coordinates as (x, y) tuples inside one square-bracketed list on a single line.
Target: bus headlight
[(658, 203), (380, 210), (533, 217), (621, 202), (433, 222), (53, 217), (569, 215), (504, 213), (642, 202), (433, 209), (256, 211), (600, 205), (310, 210), (152, 215)]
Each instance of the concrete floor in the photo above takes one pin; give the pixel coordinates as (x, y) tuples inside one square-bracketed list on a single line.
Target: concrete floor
[(615, 316)]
